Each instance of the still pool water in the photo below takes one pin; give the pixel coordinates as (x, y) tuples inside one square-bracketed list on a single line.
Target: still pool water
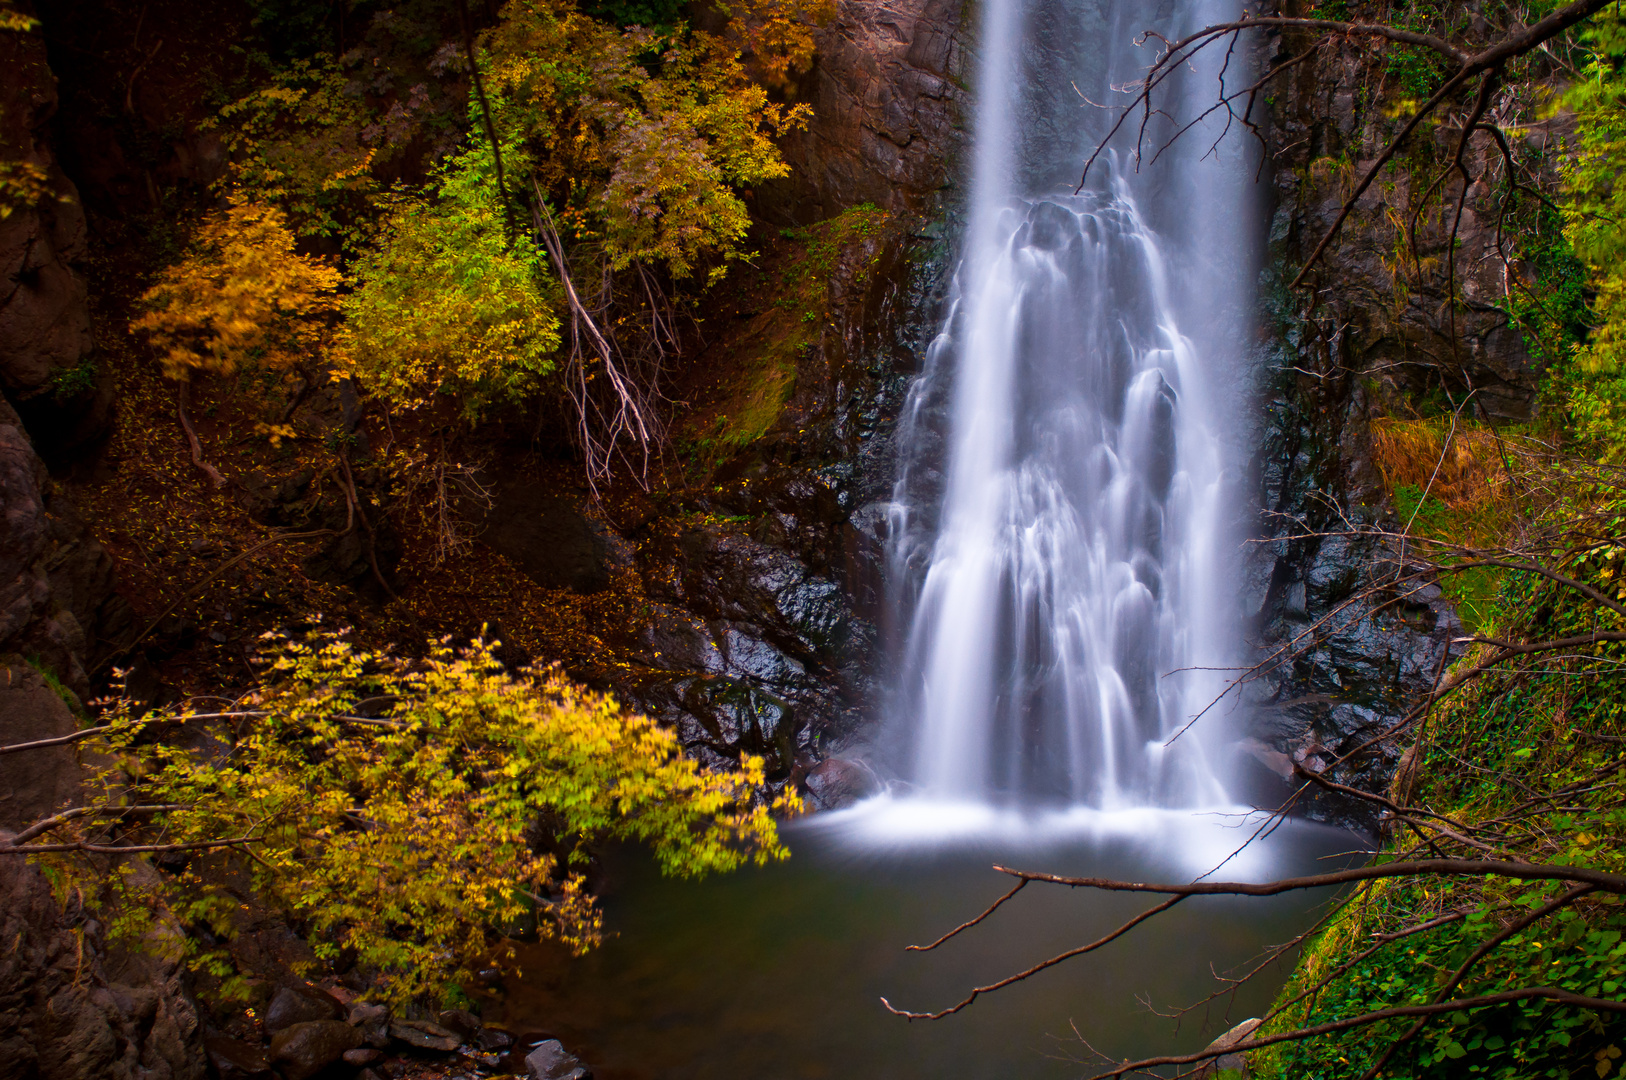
[(777, 973)]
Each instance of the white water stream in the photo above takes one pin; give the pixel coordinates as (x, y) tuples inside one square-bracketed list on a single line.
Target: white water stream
[(1064, 526)]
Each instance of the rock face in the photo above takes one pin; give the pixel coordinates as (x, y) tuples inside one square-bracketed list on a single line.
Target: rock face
[(56, 580), (45, 340), (36, 783), (71, 1008), (1383, 338), (887, 94), (765, 636)]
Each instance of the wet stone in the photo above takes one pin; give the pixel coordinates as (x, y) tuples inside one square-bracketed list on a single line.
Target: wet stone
[(837, 782), (551, 1061), (297, 1004), (303, 1050), (233, 1059), (424, 1035)]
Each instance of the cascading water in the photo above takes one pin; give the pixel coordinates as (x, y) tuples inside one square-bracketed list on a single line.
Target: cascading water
[(1060, 531), (1061, 552)]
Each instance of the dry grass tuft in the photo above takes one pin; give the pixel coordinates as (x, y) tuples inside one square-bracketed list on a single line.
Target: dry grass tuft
[(1469, 475)]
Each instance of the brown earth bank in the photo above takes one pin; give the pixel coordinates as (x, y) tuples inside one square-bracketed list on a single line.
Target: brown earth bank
[(737, 596)]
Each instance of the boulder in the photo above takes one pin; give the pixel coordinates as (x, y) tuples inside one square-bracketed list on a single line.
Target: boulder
[(550, 1061), (424, 1035), (373, 1021), (68, 1012), (837, 782), (298, 1004), (550, 539), (460, 1022), (1229, 1063), (305, 1049), (233, 1059)]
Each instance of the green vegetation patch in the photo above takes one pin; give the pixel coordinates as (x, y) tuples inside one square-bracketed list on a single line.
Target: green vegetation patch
[(758, 368)]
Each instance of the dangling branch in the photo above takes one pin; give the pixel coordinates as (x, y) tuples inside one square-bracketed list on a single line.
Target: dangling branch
[(632, 413)]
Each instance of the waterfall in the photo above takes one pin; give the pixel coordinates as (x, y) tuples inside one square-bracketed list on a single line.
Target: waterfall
[(1063, 539)]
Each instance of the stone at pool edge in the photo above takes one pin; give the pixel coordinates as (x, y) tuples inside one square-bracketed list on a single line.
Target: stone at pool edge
[(838, 782), (233, 1059), (424, 1035), (305, 1049), (297, 1004), (1236, 1063), (550, 1061)]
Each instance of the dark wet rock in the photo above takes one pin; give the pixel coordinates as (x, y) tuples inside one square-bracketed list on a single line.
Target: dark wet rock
[(362, 1057), (1374, 345), (299, 1003), (886, 96), (550, 1061), (38, 783), (424, 1035), (491, 1040), (550, 539), (55, 578), (1363, 653), (233, 1059), (45, 340), (305, 1049), (73, 1008), (837, 782), (460, 1022), (763, 636)]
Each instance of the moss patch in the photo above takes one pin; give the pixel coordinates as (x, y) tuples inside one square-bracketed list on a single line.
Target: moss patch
[(780, 315)]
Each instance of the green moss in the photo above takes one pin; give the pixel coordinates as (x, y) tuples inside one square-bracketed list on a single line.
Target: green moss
[(765, 357), (1555, 724), (56, 684)]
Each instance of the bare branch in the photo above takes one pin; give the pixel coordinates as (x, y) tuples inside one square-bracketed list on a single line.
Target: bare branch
[(1518, 871), (1018, 887), (133, 849), (60, 740), (39, 828), (1528, 993), (1036, 968)]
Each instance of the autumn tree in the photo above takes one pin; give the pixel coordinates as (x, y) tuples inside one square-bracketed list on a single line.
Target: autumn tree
[(404, 812), (242, 297)]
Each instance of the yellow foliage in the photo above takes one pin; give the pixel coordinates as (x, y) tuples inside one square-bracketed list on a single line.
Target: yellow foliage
[(778, 33), (390, 806), (447, 302), (658, 156), (301, 142), (242, 297), (23, 185), (13, 21)]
